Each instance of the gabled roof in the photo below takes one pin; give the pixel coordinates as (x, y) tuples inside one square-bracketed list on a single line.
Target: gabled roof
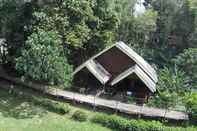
[(140, 73), (92, 58), (98, 71), (142, 69), (147, 68)]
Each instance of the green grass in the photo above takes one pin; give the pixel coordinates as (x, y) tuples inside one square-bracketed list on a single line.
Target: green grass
[(23, 113), (19, 114)]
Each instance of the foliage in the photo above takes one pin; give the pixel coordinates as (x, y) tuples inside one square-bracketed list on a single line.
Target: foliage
[(174, 24), (79, 115), (171, 88), (53, 106), (122, 124), (193, 10), (187, 61), (42, 59), (3, 52), (172, 80), (164, 99), (48, 104), (191, 105), (145, 25), (38, 117), (135, 31), (14, 15), (193, 5), (84, 26), (131, 99)]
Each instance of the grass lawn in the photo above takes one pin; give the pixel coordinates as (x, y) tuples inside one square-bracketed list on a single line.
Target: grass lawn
[(20, 111), (18, 114)]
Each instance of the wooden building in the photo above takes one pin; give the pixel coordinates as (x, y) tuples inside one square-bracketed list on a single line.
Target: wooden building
[(118, 67)]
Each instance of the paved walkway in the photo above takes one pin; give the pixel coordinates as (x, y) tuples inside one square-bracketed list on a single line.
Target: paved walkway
[(99, 102)]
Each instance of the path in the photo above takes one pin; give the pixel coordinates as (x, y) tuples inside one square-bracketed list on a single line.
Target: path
[(122, 107), (96, 101)]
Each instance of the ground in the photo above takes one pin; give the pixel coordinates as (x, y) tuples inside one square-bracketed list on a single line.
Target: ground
[(18, 114)]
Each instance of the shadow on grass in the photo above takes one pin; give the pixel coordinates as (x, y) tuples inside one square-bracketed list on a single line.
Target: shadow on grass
[(18, 107)]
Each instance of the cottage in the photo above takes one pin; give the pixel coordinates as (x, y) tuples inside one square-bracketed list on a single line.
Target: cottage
[(118, 67)]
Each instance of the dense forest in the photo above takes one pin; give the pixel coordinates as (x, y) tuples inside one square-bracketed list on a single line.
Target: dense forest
[(45, 40)]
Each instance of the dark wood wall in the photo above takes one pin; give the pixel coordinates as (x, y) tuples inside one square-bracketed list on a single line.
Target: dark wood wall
[(115, 61), (86, 79)]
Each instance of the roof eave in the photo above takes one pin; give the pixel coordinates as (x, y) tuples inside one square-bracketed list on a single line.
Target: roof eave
[(151, 74), (140, 73), (79, 68)]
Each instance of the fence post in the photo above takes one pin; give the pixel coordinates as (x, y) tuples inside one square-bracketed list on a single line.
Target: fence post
[(73, 98), (11, 89), (94, 105), (56, 92), (166, 109), (117, 102), (140, 113)]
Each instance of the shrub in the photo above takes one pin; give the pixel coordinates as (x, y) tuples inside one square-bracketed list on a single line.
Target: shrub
[(191, 105), (122, 124), (172, 80), (61, 108), (164, 99), (110, 121), (43, 59), (171, 85), (119, 123), (79, 115)]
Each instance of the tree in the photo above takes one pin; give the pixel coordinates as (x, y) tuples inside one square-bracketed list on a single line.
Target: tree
[(14, 15), (136, 31), (42, 59), (187, 61), (174, 24), (3, 51), (144, 27), (172, 80), (171, 88), (85, 26), (193, 10)]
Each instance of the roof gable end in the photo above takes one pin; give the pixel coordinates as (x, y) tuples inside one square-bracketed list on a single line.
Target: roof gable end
[(141, 66)]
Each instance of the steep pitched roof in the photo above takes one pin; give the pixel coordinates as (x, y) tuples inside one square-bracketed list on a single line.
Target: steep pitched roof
[(98, 71), (139, 60), (140, 73), (92, 58), (142, 69)]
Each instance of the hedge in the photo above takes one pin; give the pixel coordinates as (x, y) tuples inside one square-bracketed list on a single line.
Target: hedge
[(79, 115), (123, 124), (58, 107)]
